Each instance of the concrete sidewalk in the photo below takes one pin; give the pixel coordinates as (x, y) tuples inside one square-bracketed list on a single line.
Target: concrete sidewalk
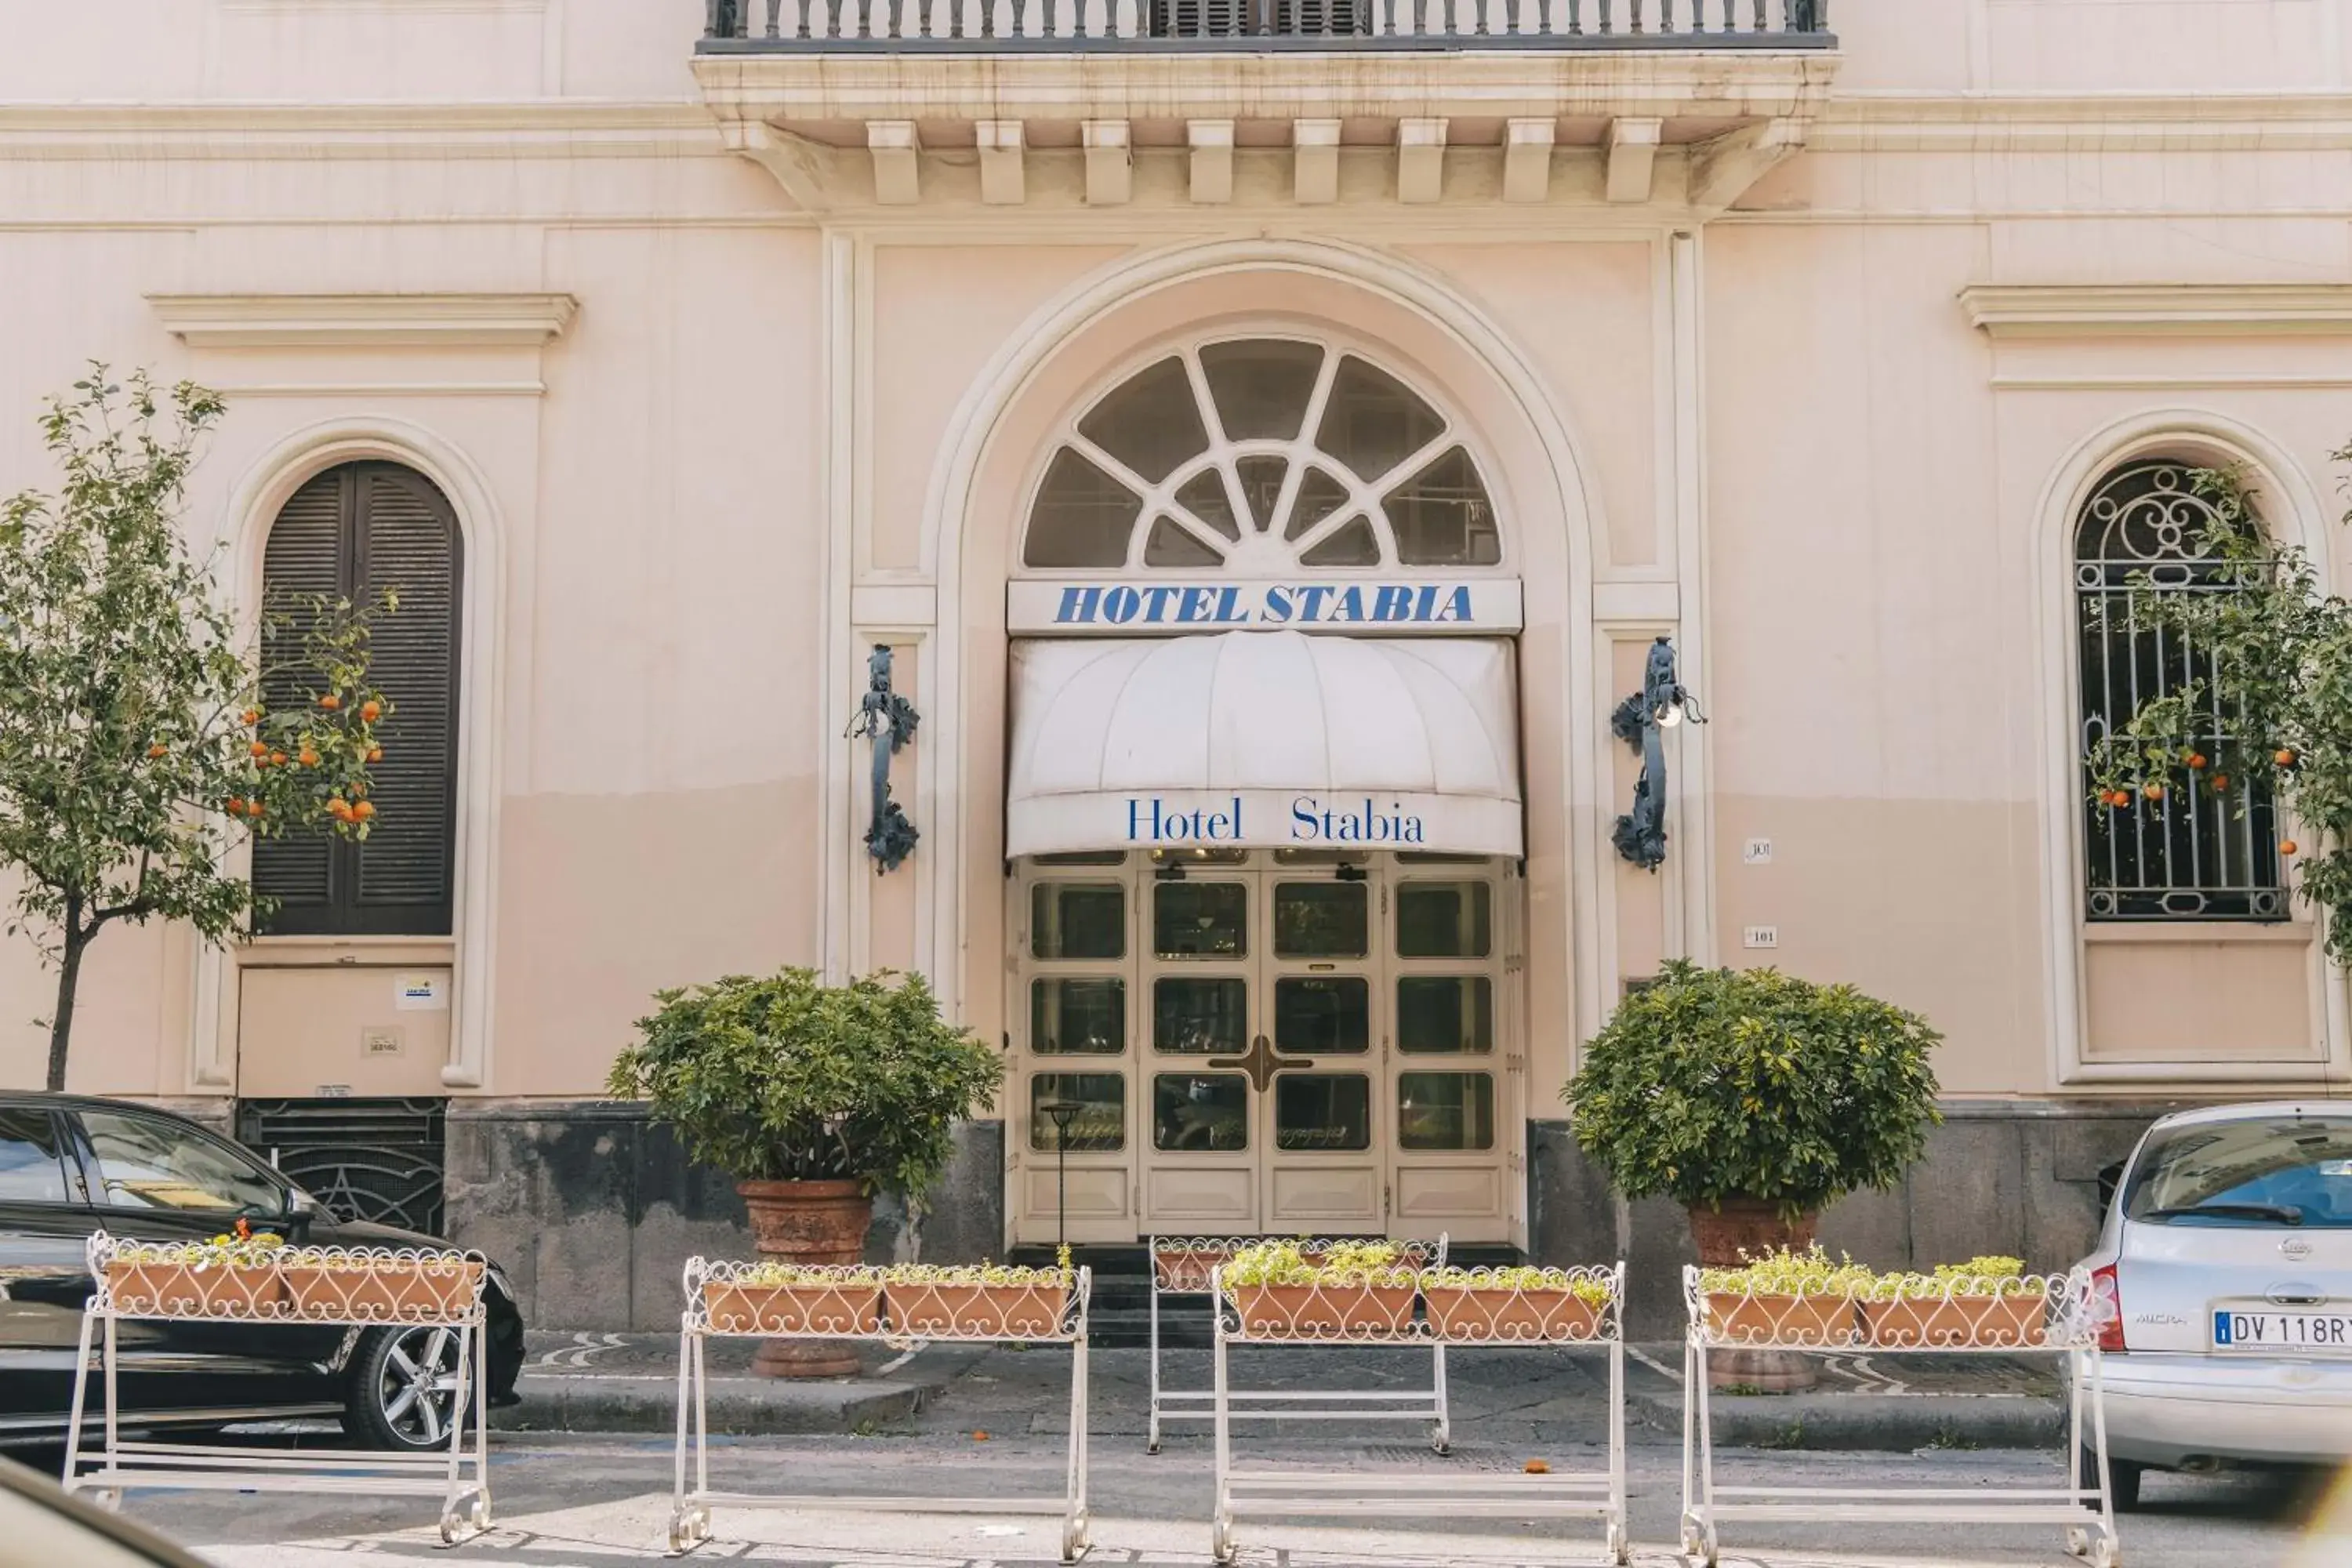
[(628, 1382)]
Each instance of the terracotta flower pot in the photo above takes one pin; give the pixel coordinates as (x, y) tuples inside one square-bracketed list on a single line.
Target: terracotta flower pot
[(1000, 1311), (808, 1223), (188, 1290), (2014, 1320), (1187, 1272), (1827, 1321), (837, 1308), (387, 1291), (1726, 1234), (1513, 1316), (1324, 1311)]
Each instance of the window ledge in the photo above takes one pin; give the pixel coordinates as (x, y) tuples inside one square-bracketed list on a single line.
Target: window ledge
[(2243, 934), (298, 952)]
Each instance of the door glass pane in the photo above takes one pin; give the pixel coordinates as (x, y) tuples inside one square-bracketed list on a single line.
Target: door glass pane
[(1098, 1124), (1322, 920), (1200, 1112), (1445, 1013), (1077, 920), (1200, 920), (1171, 545), (1445, 1110), (1443, 920), (1351, 544), (1204, 495), (150, 1164), (1322, 1015), (1199, 1018), (30, 1169), (1322, 1111), (1075, 1016), (1319, 495)]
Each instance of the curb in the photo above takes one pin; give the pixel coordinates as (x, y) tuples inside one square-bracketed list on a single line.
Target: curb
[(739, 1407), (1877, 1423)]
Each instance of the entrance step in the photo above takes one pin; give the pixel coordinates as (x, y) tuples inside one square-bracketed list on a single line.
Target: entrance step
[(1119, 1313)]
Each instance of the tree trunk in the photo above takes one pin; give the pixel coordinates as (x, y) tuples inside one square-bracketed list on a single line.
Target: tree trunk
[(68, 977)]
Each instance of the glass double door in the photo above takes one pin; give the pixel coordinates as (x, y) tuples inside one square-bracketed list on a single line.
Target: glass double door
[(1262, 1002)]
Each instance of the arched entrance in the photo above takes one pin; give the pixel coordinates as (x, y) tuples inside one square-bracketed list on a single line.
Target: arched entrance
[(1264, 814)]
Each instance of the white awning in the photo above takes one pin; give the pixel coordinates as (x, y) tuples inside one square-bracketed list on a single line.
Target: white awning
[(1267, 740)]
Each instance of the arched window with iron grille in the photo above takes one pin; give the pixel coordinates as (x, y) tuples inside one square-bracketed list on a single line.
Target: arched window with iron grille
[(2207, 851)]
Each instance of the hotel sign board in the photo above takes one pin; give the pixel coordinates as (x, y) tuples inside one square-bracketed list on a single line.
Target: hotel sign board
[(1401, 606), (1265, 818)]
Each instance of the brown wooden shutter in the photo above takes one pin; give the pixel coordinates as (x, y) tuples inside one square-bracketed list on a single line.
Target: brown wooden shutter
[(304, 556), (389, 526), (408, 543)]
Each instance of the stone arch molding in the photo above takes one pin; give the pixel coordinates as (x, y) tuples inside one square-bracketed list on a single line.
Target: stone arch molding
[(1007, 380), (2296, 511), (260, 492)]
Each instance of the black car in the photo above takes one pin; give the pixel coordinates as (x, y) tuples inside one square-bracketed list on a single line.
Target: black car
[(72, 1166)]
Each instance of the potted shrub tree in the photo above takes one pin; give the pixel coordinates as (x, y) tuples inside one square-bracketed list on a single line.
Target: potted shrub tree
[(1754, 1099), (813, 1098)]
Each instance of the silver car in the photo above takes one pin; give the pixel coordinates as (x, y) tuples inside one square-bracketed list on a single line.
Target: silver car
[(2225, 1278)]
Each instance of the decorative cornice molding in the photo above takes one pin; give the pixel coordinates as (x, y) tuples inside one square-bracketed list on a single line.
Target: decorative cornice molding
[(2028, 310), (363, 320)]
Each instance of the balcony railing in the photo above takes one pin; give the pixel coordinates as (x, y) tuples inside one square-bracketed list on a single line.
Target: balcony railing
[(1179, 25)]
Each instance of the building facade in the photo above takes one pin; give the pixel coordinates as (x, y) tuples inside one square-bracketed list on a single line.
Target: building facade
[(1264, 447)]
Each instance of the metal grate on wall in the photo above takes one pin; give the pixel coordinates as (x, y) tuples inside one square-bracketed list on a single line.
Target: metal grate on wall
[(377, 1160)]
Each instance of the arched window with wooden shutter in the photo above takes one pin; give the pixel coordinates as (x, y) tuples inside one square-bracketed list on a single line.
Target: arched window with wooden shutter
[(353, 532)]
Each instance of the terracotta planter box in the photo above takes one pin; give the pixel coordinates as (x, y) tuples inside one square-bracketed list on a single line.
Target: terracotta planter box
[(839, 1309), (1187, 1272), (1827, 1321), (1959, 1320), (410, 1291), (1325, 1311), (1512, 1317), (999, 1311), (184, 1289)]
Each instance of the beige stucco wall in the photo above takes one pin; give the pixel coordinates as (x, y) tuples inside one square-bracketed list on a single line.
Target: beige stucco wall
[(769, 438)]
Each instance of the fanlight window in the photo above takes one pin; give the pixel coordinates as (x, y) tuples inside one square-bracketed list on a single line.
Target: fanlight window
[(1257, 456), (2208, 851)]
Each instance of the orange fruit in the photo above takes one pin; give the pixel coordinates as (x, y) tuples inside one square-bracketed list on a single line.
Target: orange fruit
[(2284, 757), (330, 702), (309, 759), (157, 749), (363, 810), (338, 808), (2286, 846), (253, 808), (375, 754), (1537, 1468), (2196, 759), (236, 805), (277, 759), (369, 711), (259, 748), (253, 715), (2153, 790), (2220, 782)]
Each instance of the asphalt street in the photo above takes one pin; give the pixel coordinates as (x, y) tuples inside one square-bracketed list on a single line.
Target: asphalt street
[(575, 1501)]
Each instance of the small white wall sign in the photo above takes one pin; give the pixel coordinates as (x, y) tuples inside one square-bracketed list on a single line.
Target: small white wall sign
[(1757, 852), (1760, 936), (421, 993)]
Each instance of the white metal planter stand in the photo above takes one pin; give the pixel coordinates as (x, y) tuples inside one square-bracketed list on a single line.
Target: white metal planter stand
[(2051, 1313), (852, 1302), (1346, 1315), (1182, 1265), (301, 1287)]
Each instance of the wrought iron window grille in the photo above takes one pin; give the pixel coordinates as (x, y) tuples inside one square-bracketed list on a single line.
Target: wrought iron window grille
[(2209, 851)]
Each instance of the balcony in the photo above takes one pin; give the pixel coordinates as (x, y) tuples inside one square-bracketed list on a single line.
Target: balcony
[(1094, 103)]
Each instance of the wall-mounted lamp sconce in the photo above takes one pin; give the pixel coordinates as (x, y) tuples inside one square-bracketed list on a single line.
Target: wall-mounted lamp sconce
[(889, 720), (1640, 722)]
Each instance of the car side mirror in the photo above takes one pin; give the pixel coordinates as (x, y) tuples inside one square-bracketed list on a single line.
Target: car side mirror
[(301, 1204)]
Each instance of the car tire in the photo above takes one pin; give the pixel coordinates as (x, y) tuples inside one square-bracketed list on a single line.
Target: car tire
[(2121, 1474), (402, 1392)]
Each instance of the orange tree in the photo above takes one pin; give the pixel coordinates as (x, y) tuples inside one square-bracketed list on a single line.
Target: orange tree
[(136, 747), (2274, 659)]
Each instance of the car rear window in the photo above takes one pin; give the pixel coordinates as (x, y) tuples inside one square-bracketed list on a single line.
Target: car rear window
[(2284, 1171)]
